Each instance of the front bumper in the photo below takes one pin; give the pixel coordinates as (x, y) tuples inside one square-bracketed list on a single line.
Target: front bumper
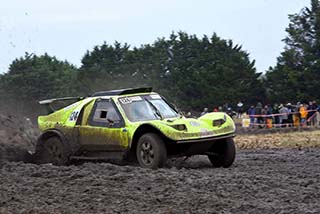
[(207, 139), (195, 146)]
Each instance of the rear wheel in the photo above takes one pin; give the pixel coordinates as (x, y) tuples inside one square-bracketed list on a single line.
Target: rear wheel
[(151, 151), (222, 153), (52, 150)]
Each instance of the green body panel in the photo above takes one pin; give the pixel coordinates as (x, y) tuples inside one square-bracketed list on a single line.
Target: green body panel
[(66, 120), (62, 118), (100, 137), (196, 128)]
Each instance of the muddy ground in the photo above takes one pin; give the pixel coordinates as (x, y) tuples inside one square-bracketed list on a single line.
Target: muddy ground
[(262, 181), (273, 180)]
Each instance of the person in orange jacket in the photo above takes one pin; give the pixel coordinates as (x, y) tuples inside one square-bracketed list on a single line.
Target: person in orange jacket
[(303, 114)]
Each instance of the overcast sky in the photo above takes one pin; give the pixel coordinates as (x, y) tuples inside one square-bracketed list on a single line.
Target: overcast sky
[(68, 28)]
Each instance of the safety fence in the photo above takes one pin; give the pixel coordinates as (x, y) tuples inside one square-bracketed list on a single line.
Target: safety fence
[(275, 120)]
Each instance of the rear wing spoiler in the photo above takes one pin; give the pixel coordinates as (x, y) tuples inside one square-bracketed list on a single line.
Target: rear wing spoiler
[(48, 103)]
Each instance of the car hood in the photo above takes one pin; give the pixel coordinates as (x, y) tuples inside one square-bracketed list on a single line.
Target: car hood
[(201, 127)]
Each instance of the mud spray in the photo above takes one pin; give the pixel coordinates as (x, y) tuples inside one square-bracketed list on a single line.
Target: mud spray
[(17, 138)]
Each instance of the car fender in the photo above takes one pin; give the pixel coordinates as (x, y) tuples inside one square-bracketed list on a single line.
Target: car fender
[(145, 128), (50, 133)]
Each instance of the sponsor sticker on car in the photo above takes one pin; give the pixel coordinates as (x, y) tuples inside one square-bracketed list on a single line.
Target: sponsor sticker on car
[(194, 123), (205, 132)]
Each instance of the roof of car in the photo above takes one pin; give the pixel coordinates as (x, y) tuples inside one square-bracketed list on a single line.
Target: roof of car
[(122, 92)]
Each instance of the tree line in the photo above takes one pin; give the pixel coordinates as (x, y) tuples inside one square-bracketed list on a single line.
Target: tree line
[(189, 71)]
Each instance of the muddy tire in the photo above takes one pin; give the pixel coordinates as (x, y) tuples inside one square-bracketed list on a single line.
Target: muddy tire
[(224, 153), (151, 151), (52, 150)]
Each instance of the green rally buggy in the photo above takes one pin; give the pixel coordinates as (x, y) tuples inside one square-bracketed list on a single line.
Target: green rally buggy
[(130, 124)]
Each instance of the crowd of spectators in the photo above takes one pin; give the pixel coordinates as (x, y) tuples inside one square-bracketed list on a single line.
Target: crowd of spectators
[(285, 115), (276, 115)]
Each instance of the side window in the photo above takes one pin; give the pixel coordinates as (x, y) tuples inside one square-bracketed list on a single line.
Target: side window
[(105, 114)]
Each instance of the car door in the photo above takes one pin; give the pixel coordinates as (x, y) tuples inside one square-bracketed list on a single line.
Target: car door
[(103, 129)]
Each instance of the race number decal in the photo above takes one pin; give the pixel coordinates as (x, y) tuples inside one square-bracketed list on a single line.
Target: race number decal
[(155, 96), (74, 116), (127, 100)]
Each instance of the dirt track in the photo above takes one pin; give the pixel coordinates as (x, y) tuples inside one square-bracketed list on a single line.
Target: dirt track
[(262, 181)]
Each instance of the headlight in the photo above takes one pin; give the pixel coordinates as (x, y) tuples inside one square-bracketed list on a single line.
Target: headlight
[(180, 127), (218, 122)]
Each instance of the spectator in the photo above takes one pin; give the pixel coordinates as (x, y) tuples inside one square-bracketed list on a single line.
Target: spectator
[(264, 110), (290, 116), (230, 112), (312, 108), (303, 114), (239, 109), (269, 111), (318, 115), (276, 111), (283, 115), (251, 113), (205, 110), (225, 107), (296, 115), (258, 112)]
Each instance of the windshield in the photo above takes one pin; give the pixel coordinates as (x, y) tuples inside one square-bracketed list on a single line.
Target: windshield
[(146, 107)]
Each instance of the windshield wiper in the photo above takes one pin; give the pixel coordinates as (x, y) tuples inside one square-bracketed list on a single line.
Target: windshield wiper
[(173, 107), (155, 110)]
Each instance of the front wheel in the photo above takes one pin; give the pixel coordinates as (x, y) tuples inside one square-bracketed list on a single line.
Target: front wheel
[(222, 153), (151, 151)]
